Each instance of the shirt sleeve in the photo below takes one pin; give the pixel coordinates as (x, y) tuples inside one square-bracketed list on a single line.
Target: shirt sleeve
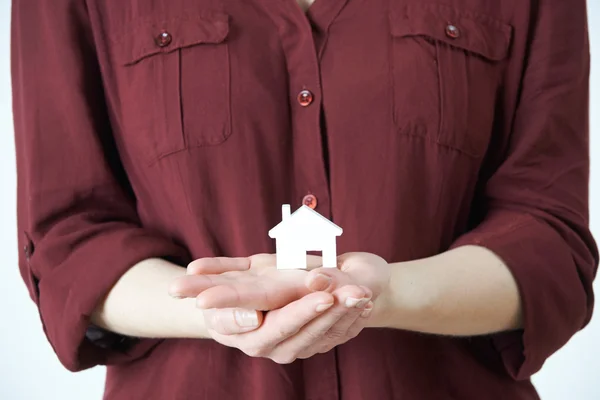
[(78, 227), (534, 205)]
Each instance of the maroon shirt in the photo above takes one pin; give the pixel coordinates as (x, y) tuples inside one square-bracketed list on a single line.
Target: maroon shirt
[(177, 128)]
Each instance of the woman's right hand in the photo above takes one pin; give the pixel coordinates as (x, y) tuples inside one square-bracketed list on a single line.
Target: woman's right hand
[(223, 321)]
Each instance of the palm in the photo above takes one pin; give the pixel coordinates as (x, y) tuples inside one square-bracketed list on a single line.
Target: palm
[(260, 286), (364, 269)]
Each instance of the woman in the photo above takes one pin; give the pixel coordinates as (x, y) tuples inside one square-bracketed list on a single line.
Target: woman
[(448, 139)]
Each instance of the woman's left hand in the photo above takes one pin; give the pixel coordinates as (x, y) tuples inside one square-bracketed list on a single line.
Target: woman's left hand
[(371, 273), (287, 334)]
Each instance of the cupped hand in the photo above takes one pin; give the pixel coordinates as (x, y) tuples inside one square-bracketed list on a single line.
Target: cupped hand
[(313, 324), (230, 320), (252, 283), (290, 333)]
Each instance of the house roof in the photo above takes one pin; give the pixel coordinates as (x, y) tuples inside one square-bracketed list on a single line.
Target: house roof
[(306, 216)]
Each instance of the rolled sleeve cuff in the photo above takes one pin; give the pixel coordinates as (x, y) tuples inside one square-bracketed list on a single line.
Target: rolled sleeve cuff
[(553, 302), (71, 292)]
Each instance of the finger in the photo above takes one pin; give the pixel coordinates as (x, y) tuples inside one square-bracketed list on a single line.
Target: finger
[(217, 265), (230, 321), (352, 331), (233, 295), (350, 300), (262, 260), (278, 325), (340, 331), (257, 294), (361, 322), (192, 285), (347, 328), (327, 279)]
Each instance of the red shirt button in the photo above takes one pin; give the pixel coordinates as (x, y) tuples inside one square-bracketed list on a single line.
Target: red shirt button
[(310, 200), (452, 31), (305, 98), (163, 39)]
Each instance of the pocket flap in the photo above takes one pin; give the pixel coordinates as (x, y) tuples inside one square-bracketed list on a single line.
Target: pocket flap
[(149, 36), (473, 32)]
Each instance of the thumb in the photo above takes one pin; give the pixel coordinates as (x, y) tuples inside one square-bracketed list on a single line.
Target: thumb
[(231, 321), (326, 279)]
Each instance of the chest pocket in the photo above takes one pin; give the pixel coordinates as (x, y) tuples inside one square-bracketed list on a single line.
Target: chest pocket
[(175, 74), (446, 71)]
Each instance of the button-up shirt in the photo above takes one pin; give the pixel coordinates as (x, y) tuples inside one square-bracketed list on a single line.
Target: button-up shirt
[(177, 129)]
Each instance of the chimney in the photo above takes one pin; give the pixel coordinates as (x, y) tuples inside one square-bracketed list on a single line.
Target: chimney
[(285, 212)]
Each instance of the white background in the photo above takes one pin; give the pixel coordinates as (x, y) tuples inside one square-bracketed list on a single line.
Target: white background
[(29, 369)]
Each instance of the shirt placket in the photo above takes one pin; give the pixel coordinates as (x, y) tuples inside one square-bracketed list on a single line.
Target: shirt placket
[(310, 181), (311, 185)]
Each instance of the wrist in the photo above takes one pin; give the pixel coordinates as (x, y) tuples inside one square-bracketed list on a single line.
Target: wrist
[(404, 302), (380, 315), (383, 305), (191, 323)]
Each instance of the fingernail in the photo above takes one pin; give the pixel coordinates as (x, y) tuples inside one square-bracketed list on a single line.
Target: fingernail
[(368, 309), (320, 282), (246, 319), (362, 303), (354, 302), (323, 307), (176, 295)]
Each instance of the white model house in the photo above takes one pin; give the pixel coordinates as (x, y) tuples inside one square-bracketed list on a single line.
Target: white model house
[(304, 230)]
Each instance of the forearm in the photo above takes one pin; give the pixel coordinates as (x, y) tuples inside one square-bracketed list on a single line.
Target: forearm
[(139, 305), (466, 291)]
